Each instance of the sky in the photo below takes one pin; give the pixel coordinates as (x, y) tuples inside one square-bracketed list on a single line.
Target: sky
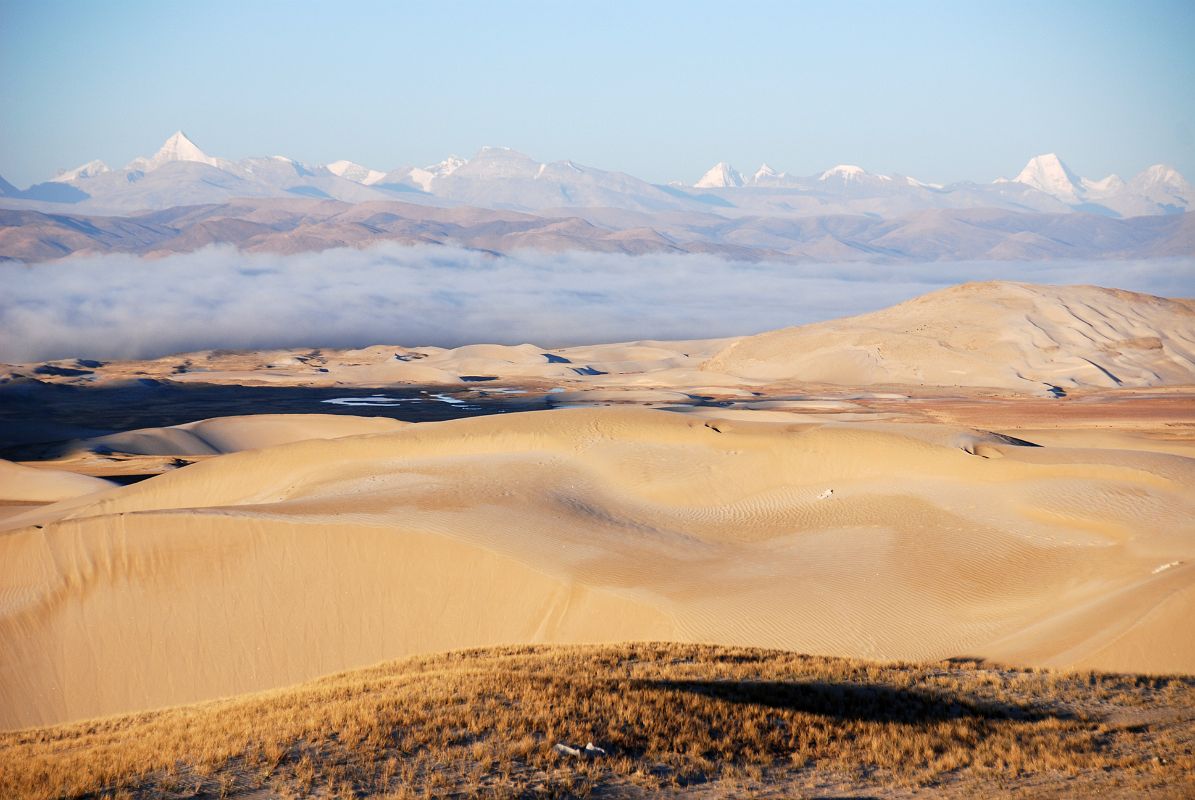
[(942, 91)]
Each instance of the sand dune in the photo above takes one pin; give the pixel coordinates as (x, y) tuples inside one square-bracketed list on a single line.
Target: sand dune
[(19, 483), (997, 334), (266, 567), (233, 434)]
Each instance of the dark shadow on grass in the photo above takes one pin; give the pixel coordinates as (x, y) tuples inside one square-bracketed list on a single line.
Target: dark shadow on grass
[(851, 701)]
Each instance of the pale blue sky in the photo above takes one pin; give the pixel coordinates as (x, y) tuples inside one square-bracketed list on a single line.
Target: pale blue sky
[(940, 90)]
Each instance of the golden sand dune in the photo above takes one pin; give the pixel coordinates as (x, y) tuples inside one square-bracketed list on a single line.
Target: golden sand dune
[(19, 483), (233, 434), (913, 541), (997, 334)]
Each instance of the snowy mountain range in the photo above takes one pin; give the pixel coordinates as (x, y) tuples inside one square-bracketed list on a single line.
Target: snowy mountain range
[(180, 173)]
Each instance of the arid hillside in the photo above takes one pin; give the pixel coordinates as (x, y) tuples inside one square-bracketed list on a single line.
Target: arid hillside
[(658, 719), (997, 334)]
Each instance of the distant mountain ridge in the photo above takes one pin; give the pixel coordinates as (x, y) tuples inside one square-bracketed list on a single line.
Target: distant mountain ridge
[(286, 225), (180, 173)]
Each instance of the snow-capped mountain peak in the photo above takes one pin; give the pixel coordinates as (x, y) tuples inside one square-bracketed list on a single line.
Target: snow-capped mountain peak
[(88, 170), (177, 148), (847, 172), (1048, 174), (1165, 186), (1106, 186), (499, 177), (719, 176), (448, 165), (764, 172), (424, 176), (353, 171), (1160, 175), (921, 184)]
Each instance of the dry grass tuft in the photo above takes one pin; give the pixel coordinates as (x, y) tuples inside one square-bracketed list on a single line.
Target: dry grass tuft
[(670, 716)]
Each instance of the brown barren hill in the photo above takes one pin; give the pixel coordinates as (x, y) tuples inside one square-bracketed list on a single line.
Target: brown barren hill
[(665, 720)]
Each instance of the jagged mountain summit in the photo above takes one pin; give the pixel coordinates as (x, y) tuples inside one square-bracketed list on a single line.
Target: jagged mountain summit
[(719, 176), (423, 177), (1156, 189), (181, 173), (1048, 174), (764, 173), (177, 148), (1045, 184)]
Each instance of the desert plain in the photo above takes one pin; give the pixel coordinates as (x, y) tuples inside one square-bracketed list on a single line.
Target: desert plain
[(989, 486)]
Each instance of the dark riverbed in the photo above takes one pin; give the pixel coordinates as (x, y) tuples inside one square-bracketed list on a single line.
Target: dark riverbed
[(37, 418)]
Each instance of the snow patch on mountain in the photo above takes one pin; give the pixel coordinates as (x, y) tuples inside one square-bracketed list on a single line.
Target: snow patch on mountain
[(922, 184), (423, 177), (88, 170), (764, 172), (1103, 187), (352, 171), (846, 172)]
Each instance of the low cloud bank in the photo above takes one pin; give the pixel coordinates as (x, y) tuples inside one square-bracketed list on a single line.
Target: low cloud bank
[(123, 306)]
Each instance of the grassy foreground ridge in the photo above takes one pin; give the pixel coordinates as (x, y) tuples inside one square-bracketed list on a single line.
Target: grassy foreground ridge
[(670, 717)]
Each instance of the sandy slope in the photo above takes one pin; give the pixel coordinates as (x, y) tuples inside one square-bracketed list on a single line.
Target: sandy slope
[(997, 334), (19, 483), (233, 434), (266, 567)]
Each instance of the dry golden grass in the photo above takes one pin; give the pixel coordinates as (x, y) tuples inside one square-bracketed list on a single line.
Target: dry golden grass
[(724, 720)]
